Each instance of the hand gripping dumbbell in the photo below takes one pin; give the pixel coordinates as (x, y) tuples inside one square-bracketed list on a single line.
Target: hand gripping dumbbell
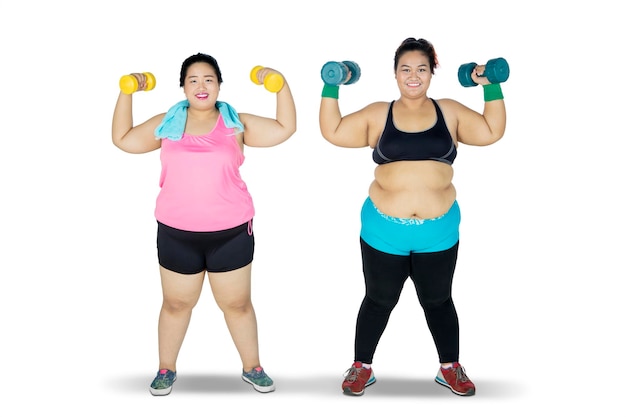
[(273, 82), (496, 71), (336, 73), (129, 83)]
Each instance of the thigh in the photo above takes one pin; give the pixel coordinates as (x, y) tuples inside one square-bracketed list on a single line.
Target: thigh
[(384, 274), (181, 288), (231, 249), (232, 287), (432, 274), (179, 250)]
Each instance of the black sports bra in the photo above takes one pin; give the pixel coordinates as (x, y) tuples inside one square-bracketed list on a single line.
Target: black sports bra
[(434, 144)]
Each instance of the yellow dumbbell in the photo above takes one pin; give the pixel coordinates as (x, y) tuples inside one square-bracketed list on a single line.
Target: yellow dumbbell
[(129, 83), (273, 82)]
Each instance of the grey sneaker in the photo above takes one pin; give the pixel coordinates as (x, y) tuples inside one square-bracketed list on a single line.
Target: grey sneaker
[(259, 379), (162, 383)]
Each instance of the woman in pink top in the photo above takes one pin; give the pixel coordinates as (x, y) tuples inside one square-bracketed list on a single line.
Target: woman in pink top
[(204, 211)]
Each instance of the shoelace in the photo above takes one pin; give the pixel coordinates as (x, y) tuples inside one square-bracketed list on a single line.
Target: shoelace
[(460, 374), (351, 374)]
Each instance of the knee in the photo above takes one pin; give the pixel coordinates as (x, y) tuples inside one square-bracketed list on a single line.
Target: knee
[(236, 306), (435, 303), (178, 305), (379, 305)]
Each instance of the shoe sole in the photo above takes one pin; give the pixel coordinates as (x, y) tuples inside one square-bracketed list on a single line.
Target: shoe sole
[(259, 388), (462, 394), (348, 391)]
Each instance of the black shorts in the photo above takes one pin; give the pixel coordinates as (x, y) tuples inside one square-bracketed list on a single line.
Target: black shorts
[(193, 252)]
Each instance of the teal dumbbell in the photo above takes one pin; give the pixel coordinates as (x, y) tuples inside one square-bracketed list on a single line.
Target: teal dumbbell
[(496, 71), (336, 73)]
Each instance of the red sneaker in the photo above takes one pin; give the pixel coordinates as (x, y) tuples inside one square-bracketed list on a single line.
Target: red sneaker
[(356, 379), (455, 379)]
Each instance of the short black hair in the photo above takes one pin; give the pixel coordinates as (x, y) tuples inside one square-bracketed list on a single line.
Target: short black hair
[(199, 57)]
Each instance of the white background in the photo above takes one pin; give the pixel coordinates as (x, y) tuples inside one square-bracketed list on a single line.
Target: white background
[(539, 280)]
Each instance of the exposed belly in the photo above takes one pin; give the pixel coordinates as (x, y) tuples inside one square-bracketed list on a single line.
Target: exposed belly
[(413, 189)]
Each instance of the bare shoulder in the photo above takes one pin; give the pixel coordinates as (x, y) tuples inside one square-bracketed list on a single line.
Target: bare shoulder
[(376, 108), (454, 110), (245, 116), (376, 114), (450, 105)]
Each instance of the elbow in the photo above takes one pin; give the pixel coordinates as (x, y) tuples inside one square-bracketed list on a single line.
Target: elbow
[(117, 137), (287, 132), (117, 142), (287, 127), (495, 134), (327, 134), (326, 137), (493, 139), (292, 129)]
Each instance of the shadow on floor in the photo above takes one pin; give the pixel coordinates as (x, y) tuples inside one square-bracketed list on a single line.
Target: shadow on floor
[(317, 386)]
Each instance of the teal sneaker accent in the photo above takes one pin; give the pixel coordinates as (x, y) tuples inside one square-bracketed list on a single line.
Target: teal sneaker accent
[(259, 380), (162, 383)]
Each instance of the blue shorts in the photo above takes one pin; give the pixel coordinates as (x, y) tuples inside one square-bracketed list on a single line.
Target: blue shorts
[(398, 236)]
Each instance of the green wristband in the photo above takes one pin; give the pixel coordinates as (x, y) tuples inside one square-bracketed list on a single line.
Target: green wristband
[(492, 92), (330, 91)]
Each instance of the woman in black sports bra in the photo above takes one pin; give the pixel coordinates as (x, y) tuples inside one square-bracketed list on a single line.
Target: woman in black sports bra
[(410, 219)]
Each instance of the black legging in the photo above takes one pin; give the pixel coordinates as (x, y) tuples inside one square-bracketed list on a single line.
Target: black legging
[(385, 275)]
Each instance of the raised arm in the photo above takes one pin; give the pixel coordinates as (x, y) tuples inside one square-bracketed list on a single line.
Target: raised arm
[(486, 128), (481, 129), (356, 130), (350, 131), (264, 131), (129, 138)]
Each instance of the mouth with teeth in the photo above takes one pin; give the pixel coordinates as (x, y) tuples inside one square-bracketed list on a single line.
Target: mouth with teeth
[(202, 96)]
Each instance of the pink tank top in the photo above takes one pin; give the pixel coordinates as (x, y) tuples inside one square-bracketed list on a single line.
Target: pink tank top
[(201, 186)]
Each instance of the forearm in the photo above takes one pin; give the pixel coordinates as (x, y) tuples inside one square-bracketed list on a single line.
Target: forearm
[(122, 118), (286, 110), (329, 117), (494, 113)]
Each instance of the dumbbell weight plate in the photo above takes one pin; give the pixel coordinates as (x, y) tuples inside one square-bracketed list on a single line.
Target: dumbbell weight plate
[(355, 71), (150, 81), (497, 70), (334, 73), (273, 82), (128, 84), (465, 74), (253, 72)]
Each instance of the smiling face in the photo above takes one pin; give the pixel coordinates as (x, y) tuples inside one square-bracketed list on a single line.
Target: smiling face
[(201, 85), (413, 73)]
